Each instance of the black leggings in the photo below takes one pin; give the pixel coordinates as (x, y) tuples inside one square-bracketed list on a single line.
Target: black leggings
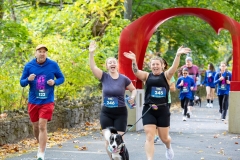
[(223, 104), (191, 103), (184, 104), (114, 117), (169, 105)]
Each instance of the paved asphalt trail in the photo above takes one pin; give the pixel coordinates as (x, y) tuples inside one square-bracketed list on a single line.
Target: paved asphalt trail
[(202, 137)]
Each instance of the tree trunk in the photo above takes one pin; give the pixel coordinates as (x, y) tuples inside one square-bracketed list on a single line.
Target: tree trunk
[(228, 59), (1, 9), (61, 5), (158, 45), (128, 9), (12, 10)]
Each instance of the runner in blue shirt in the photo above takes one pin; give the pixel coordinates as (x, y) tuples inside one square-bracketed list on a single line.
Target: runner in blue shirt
[(41, 75), (186, 85), (223, 80), (210, 86)]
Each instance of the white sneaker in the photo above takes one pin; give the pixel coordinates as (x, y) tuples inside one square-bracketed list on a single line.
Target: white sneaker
[(169, 153), (40, 155), (184, 118), (208, 105)]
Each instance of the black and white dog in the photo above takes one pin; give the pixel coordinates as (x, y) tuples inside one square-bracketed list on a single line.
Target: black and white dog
[(197, 101), (116, 144)]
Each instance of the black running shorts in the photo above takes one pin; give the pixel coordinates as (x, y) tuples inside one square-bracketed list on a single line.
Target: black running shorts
[(160, 117)]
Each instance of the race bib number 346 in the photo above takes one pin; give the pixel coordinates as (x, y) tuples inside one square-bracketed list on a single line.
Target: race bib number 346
[(110, 102), (158, 92)]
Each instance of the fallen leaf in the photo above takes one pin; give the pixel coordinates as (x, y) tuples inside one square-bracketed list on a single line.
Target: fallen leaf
[(83, 148), (199, 151), (76, 141), (60, 145), (221, 151), (76, 146), (216, 136), (224, 133)]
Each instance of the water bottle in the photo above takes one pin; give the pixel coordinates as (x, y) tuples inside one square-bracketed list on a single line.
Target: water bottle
[(128, 104)]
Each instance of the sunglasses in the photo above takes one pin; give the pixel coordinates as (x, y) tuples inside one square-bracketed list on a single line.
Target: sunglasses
[(185, 73)]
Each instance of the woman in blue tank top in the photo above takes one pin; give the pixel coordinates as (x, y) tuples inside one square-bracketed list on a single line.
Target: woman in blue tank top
[(114, 112), (156, 97)]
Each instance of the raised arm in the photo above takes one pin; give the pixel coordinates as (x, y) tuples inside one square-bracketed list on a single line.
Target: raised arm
[(95, 70), (142, 75), (170, 72)]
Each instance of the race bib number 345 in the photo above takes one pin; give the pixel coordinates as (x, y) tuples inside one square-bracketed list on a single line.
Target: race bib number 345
[(158, 92)]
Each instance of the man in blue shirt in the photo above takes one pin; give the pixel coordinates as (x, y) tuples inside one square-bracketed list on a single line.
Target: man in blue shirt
[(41, 74)]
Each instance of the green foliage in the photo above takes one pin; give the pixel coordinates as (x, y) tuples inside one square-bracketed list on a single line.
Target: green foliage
[(67, 32), (189, 31), (10, 91), (13, 40)]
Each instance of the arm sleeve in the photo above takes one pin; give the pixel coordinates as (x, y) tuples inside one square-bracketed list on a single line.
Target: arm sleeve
[(230, 77), (24, 78), (178, 82), (193, 84), (205, 78), (59, 76), (216, 78)]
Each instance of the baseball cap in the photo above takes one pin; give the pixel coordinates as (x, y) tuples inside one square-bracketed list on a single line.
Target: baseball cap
[(41, 46), (188, 59)]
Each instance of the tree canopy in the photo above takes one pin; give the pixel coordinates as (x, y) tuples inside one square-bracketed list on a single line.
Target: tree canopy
[(67, 27)]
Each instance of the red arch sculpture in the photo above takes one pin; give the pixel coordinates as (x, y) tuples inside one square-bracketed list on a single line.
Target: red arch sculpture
[(135, 38)]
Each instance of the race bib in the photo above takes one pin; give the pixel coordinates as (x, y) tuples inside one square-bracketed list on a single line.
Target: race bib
[(110, 102), (210, 77), (41, 94), (185, 90), (223, 87), (158, 92), (41, 91)]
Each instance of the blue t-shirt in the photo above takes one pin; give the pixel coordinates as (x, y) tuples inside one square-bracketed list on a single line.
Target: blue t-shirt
[(113, 90), (209, 78), (185, 90), (40, 92), (222, 87)]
